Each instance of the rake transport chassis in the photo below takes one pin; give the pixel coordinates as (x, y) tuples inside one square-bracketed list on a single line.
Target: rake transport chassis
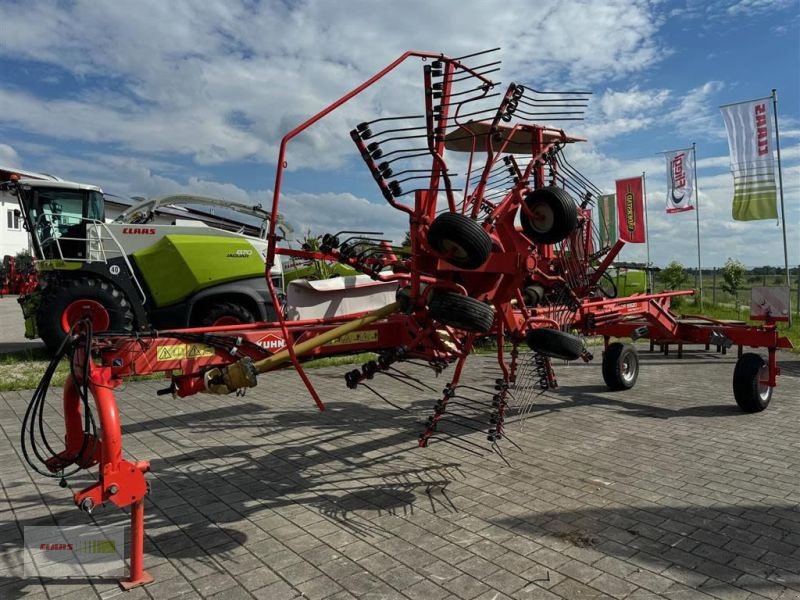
[(472, 272)]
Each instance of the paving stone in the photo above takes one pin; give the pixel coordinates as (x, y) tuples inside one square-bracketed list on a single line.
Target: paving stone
[(319, 588), (613, 586), (257, 578), (466, 587), (633, 495)]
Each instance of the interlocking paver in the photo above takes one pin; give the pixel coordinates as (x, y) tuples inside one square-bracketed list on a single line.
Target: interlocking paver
[(664, 491)]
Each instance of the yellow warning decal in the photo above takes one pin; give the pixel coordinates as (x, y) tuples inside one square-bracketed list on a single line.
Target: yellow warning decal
[(356, 337), (182, 351)]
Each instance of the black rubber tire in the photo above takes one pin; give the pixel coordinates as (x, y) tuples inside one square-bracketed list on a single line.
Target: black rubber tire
[(220, 310), (533, 295), (555, 344), (460, 240), (750, 395), (556, 203), (462, 312), (55, 301), (620, 366)]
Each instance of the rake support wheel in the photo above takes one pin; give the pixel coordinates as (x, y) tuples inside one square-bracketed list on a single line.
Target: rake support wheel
[(460, 240), (462, 312), (551, 215), (555, 344), (751, 395), (620, 366)]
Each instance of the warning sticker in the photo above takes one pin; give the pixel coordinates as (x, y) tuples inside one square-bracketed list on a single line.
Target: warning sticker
[(356, 337), (182, 351)]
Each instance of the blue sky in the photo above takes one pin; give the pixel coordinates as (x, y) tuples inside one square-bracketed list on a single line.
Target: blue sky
[(151, 97)]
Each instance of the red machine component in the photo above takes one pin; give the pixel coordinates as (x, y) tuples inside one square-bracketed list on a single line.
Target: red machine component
[(471, 273), (14, 281)]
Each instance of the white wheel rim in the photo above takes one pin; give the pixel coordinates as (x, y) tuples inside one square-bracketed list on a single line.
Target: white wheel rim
[(542, 217), (453, 249), (764, 391), (629, 364)]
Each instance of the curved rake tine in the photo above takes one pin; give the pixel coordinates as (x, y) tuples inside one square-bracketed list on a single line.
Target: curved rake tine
[(384, 398), (496, 449), (448, 440), (419, 381), (401, 380)]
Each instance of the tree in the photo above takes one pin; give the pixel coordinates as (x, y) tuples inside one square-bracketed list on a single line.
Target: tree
[(407, 241), (24, 260), (732, 277), (320, 269), (674, 276)]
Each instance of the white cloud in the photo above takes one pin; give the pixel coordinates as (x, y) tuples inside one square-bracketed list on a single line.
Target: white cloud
[(221, 81), (146, 86), (615, 103), (751, 7), (9, 157)]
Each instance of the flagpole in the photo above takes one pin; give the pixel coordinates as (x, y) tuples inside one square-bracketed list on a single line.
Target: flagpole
[(697, 215), (646, 232), (780, 187)]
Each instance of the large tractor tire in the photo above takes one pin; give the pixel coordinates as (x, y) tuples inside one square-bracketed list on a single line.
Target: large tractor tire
[(751, 395), (460, 240), (555, 344), (61, 307), (620, 366), (462, 312), (224, 313), (551, 215)]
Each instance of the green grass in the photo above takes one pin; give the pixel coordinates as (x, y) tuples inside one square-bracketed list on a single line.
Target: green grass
[(23, 370), (690, 306), (309, 271)]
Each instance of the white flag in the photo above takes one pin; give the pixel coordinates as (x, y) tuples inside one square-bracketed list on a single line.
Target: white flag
[(680, 182), (750, 138)]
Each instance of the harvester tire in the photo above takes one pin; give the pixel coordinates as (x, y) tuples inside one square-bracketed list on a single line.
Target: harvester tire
[(225, 313), (461, 312), (751, 395), (52, 316), (554, 215), (460, 240), (555, 343), (620, 366)]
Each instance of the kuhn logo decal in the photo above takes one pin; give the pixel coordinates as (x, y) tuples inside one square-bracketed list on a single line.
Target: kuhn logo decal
[(271, 342)]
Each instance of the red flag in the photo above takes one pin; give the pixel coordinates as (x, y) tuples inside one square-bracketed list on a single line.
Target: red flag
[(630, 208)]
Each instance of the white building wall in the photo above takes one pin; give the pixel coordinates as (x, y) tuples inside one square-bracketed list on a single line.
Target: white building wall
[(12, 240)]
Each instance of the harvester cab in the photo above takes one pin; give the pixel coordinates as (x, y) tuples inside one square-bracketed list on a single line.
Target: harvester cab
[(139, 272)]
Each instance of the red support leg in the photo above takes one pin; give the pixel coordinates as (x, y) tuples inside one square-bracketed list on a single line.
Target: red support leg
[(138, 576)]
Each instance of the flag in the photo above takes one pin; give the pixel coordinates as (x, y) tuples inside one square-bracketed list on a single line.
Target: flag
[(607, 214), (680, 185), (750, 138), (630, 207)]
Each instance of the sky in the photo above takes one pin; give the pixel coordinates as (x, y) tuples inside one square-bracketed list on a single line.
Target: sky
[(150, 97)]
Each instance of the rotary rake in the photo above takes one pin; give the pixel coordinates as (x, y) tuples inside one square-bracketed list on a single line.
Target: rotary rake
[(471, 273)]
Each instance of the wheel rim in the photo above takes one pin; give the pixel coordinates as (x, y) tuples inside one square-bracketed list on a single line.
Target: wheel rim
[(542, 217), (226, 320), (453, 249), (628, 370), (763, 389), (79, 309)]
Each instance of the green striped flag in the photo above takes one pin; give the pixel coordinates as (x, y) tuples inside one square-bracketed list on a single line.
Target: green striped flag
[(749, 127), (607, 206)]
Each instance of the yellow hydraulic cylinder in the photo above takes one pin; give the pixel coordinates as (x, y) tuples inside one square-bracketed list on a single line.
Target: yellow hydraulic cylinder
[(277, 359)]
